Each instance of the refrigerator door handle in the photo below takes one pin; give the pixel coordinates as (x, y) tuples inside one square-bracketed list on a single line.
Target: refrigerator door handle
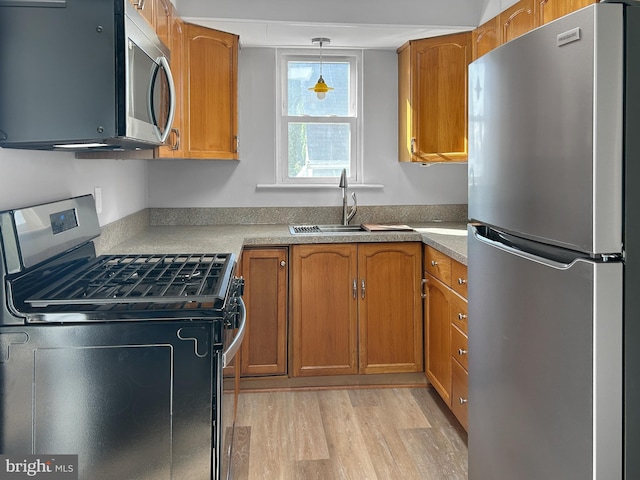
[(522, 253)]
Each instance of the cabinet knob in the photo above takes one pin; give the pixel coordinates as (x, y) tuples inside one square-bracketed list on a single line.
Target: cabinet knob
[(462, 281), (461, 316), (462, 352), (283, 263), (463, 401), (433, 263)]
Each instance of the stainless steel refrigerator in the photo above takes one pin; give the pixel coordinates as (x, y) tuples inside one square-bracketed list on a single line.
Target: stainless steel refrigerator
[(554, 251)]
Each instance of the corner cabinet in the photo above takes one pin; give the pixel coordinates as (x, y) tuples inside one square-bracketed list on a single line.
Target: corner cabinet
[(264, 348), (446, 337), (432, 103), (355, 309)]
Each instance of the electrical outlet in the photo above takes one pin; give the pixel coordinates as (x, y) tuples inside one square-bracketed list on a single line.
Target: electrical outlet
[(97, 195)]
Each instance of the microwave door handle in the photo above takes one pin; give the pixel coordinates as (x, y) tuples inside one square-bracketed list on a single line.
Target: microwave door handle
[(162, 62), (172, 99)]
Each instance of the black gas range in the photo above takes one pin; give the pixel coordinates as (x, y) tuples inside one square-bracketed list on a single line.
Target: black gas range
[(115, 359)]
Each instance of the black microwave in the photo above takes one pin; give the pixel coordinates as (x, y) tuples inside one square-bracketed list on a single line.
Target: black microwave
[(82, 75)]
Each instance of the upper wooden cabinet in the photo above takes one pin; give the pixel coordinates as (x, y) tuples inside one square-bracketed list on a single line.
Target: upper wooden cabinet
[(209, 93), (174, 146), (516, 20), (520, 18), (549, 10), (163, 17), (486, 37), (146, 9), (159, 14), (432, 103)]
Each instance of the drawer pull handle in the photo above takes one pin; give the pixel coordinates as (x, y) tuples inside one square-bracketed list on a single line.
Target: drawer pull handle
[(462, 352), (461, 281), (433, 263), (461, 316), (463, 401)]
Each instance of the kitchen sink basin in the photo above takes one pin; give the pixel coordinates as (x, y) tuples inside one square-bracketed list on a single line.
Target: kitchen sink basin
[(318, 229)]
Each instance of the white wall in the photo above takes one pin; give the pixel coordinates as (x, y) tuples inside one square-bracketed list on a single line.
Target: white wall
[(30, 177), (198, 183)]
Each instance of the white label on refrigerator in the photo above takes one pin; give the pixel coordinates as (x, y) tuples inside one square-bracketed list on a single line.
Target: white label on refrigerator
[(569, 36)]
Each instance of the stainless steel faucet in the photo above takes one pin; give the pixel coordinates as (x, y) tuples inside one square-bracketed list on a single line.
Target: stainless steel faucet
[(346, 217)]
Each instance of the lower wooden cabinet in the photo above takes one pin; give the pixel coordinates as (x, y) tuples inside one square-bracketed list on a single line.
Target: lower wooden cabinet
[(264, 348), (460, 393), (438, 336), (355, 308), (446, 337)]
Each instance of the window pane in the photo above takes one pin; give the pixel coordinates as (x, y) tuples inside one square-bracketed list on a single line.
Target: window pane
[(304, 75), (319, 149)]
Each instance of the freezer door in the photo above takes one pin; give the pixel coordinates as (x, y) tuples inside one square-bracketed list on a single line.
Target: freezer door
[(545, 132), (545, 366)]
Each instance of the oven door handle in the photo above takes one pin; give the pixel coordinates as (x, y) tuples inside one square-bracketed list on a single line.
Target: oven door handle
[(232, 349)]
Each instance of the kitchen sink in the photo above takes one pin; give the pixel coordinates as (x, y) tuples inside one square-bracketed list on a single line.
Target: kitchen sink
[(318, 229)]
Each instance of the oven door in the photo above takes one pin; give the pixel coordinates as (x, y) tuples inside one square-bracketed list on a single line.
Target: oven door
[(235, 325)]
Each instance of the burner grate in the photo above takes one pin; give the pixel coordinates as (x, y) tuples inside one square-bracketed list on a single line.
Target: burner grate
[(137, 279)]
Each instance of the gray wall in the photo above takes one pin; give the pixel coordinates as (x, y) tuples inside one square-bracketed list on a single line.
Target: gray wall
[(197, 183), (29, 177)]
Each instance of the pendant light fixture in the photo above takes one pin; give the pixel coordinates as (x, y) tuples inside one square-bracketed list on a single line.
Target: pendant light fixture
[(320, 88)]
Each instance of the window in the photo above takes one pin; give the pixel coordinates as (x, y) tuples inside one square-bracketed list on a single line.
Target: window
[(318, 138)]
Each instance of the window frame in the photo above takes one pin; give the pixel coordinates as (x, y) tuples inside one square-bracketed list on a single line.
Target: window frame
[(354, 57)]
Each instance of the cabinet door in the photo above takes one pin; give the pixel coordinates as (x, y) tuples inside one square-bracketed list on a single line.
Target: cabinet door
[(438, 336), (210, 93), (324, 309), (146, 9), (548, 10), (264, 347), (390, 313), (174, 147), (516, 20), (486, 37), (163, 16), (439, 97)]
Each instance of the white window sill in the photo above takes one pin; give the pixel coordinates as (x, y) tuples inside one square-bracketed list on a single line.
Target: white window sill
[(317, 186)]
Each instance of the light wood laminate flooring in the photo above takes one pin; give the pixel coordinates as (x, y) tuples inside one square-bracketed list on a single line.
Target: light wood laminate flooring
[(348, 434)]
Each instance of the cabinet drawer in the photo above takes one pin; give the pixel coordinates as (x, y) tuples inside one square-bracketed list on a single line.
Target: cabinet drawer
[(459, 312), (437, 264), (459, 278), (459, 346), (459, 393)]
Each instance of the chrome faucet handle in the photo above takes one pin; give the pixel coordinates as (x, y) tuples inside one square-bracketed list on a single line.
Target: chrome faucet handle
[(354, 208)]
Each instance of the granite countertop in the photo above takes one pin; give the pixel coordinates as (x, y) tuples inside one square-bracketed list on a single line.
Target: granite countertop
[(449, 238)]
